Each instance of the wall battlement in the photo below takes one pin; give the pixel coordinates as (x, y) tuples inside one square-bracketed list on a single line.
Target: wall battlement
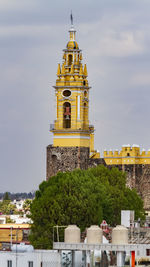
[(128, 155)]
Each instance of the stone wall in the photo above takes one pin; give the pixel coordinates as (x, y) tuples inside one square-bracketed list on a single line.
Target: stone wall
[(69, 158), (66, 159), (138, 176), (94, 162), (143, 185)]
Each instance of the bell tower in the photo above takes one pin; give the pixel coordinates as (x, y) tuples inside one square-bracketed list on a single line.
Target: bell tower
[(71, 129)]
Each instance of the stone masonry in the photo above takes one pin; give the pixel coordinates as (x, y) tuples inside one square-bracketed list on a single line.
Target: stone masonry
[(69, 158), (66, 159), (138, 177)]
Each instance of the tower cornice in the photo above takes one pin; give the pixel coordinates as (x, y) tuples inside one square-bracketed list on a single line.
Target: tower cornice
[(71, 86)]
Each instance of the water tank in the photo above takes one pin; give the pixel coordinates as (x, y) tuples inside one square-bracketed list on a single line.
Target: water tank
[(72, 234), (94, 235), (120, 235), (22, 248)]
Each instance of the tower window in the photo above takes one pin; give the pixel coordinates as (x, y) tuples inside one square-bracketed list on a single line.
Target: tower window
[(66, 93), (85, 93), (128, 154), (66, 115), (84, 115), (69, 59), (84, 83)]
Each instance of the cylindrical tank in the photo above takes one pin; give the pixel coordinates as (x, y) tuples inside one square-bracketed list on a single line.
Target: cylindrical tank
[(72, 234), (120, 235), (22, 248), (94, 235)]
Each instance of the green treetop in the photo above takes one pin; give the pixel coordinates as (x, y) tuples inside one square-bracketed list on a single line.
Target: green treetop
[(6, 196), (81, 197)]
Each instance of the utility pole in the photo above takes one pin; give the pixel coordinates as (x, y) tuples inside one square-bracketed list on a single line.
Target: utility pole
[(16, 246)]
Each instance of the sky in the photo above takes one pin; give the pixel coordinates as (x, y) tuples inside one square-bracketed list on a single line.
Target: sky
[(114, 36)]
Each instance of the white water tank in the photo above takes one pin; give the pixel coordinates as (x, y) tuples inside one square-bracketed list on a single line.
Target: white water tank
[(22, 248), (72, 234), (120, 235), (94, 235)]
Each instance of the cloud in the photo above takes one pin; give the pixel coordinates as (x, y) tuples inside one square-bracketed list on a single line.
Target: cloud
[(14, 4), (28, 30), (141, 79), (121, 44), (113, 41)]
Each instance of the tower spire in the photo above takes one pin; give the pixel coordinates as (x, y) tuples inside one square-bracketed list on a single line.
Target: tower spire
[(72, 30), (71, 18)]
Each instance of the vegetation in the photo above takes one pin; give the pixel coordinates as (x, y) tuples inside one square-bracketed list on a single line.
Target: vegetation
[(7, 208), (8, 220), (26, 205), (17, 196), (6, 196), (81, 197)]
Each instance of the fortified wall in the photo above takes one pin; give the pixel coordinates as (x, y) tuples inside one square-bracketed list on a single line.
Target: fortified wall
[(137, 166), (128, 155)]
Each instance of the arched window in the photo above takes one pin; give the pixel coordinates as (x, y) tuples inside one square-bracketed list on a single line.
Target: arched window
[(66, 115), (69, 59)]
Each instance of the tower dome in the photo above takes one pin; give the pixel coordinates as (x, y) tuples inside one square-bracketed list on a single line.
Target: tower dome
[(72, 45)]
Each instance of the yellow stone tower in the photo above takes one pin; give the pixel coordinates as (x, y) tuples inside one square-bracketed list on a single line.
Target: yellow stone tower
[(71, 127)]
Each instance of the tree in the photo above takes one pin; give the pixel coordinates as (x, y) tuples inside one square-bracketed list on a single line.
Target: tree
[(81, 197), (7, 208), (26, 205), (6, 196)]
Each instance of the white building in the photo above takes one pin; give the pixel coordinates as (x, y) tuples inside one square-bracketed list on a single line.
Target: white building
[(18, 203), (127, 218), (2, 219), (36, 258), (20, 219)]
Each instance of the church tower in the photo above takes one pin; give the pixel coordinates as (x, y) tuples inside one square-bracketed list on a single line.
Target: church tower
[(71, 129)]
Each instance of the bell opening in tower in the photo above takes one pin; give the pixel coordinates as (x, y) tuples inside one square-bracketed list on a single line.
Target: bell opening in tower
[(84, 116), (67, 115), (69, 59)]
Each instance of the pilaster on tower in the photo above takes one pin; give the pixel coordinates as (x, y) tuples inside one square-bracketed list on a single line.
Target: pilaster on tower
[(71, 127)]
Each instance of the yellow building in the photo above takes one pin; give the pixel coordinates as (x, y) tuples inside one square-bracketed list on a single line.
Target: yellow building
[(71, 127), (128, 155), (14, 233)]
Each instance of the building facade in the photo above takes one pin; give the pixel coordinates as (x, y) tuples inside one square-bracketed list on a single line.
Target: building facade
[(73, 136), (12, 233), (128, 155), (36, 258)]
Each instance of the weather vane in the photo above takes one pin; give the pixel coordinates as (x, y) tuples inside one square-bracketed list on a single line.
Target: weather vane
[(71, 18)]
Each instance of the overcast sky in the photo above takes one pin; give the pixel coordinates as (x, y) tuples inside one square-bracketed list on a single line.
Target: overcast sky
[(115, 38)]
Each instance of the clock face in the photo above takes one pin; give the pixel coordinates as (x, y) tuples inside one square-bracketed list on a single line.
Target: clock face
[(67, 93)]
